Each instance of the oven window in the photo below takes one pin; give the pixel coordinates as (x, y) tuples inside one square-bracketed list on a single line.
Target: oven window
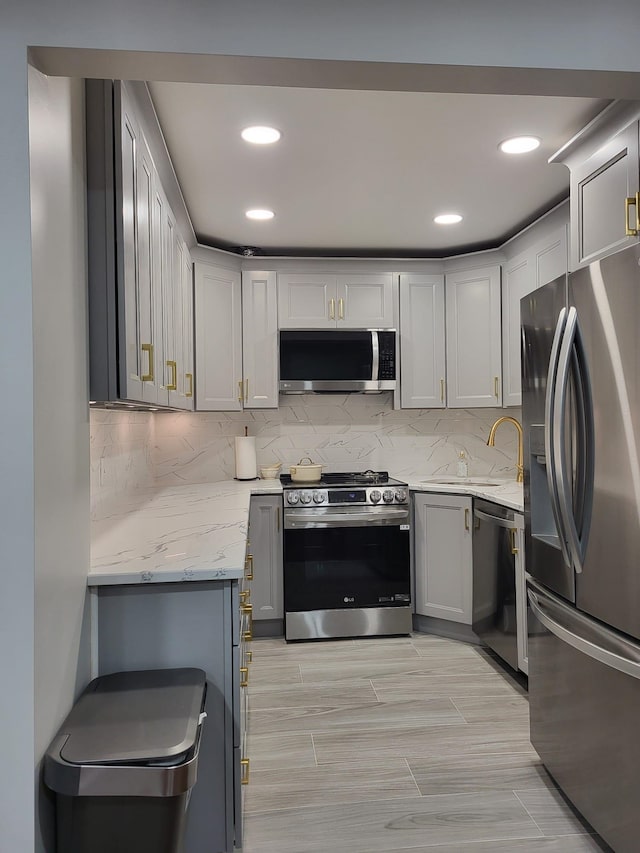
[(320, 355), (346, 567)]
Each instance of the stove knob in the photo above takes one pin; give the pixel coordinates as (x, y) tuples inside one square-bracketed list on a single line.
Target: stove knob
[(387, 496), (319, 497), (293, 497), (305, 497), (401, 495), (375, 496)]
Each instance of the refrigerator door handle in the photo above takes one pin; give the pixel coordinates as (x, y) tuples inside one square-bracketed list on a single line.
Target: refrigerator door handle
[(550, 430), (572, 360), (585, 635)]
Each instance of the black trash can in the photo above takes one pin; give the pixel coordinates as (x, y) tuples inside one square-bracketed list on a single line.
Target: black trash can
[(125, 760)]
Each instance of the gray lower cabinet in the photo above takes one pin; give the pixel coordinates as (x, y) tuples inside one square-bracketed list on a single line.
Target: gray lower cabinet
[(443, 559), (195, 624), (265, 525)]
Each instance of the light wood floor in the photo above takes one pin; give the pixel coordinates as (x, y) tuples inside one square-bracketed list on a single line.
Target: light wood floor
[(405, 744)]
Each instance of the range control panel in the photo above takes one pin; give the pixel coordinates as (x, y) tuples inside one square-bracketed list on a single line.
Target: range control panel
[(343, 497)]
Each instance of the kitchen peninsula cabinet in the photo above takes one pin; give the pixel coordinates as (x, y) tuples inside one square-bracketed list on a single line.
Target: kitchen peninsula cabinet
[(265, 525), (474, 353), (443, 557), (329, 301), (422, 342), (192, 624)]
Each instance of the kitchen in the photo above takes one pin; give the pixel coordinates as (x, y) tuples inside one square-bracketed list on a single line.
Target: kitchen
[(62, 598)]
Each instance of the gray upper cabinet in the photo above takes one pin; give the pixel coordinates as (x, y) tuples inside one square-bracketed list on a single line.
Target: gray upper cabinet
[(139, 297), (218, 311), (474, 352), (329, 301), (532, 267), (599, 188), (604, 165), (259, 340), (422, 342)]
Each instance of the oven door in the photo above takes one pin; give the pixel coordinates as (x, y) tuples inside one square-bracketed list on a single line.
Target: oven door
[(346, 558)]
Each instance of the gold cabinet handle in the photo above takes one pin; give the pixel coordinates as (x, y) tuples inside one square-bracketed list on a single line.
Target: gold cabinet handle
[(246, 390), (244, 595), (332, 309), (341, 309), (248, 567), (189, 377), (632, 201), (249, 656), (466, 518), (442, 390), (496, 390), (244, 676), (240, 391), (173, 385), (244, 763), (148, 377), (514, 542), (246, 608)]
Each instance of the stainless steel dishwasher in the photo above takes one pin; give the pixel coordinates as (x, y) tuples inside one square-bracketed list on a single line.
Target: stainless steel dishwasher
[(495, 603)]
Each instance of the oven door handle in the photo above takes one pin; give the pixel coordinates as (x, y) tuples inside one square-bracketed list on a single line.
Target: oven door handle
[(344, 519)]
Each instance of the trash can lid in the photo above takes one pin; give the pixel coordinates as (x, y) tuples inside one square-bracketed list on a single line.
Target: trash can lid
[(140, 717)]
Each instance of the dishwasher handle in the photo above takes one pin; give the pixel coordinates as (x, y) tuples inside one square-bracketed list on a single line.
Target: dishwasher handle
[(507, 523)]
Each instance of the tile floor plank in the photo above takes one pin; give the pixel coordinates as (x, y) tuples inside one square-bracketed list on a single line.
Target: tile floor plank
[(416, 744)]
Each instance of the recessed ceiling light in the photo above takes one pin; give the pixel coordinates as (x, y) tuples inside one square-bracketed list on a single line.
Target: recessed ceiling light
[(447, 218), (520, 145), (259, 214), (261, 135)]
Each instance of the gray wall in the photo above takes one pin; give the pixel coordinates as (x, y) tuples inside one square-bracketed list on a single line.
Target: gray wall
[(577, 34), (61, 416)]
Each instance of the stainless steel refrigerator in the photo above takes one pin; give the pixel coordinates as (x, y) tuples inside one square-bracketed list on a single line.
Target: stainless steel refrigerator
[(581, 415)]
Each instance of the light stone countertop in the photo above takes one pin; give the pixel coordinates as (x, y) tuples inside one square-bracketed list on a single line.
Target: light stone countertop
[(198, 532), (176, 533), (508, 493)]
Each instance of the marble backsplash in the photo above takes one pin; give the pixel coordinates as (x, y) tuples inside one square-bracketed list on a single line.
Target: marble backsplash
[(133, 450)]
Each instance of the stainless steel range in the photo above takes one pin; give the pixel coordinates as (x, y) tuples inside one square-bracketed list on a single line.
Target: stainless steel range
[(346, 557)]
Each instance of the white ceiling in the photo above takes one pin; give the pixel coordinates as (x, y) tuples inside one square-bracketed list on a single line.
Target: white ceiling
[(363, 171)]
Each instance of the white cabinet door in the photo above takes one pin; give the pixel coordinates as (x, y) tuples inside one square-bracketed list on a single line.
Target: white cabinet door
[(365, 301), (521, 598), (443, 556), (422, 342), (599, 187), (518, 279), (524, 273), (218, 311), (474, 357), (149, 268), (260, 340), (306, 301), (265, 523), (186, 278)]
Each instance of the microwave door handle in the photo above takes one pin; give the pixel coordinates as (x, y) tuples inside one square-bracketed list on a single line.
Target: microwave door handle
[(375, 356)]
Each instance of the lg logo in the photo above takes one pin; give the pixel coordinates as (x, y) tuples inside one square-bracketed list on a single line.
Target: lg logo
[(349, 599)]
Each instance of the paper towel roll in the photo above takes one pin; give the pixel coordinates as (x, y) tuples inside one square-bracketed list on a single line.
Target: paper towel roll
[(246, 464)]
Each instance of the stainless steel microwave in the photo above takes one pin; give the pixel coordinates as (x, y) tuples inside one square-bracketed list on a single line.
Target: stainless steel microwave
[(338, 360)]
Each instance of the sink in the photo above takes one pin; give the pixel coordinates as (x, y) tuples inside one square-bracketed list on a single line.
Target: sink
[(466, 481)]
